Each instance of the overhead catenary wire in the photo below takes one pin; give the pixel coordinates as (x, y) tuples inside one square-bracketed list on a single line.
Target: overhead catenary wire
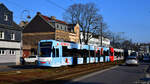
[(53, 3), (21, 8), (18, 5)]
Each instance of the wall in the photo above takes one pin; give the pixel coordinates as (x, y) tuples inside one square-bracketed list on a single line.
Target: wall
[(30, 41), (62, 35), (5, 11)]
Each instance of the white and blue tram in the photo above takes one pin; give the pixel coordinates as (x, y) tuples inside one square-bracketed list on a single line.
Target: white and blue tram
[(53, 53)]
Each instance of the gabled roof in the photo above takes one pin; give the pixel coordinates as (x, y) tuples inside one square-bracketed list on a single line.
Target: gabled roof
[(50, 19), (4, 7)]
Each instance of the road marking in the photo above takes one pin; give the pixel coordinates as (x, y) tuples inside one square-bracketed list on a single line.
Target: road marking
[(92, 74)]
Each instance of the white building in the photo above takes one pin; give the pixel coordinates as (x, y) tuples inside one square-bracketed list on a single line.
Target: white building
[(96, 40)]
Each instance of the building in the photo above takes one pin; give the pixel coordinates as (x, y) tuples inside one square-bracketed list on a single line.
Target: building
[(10, 37), (144, 48), (42, 27), (96, 40)]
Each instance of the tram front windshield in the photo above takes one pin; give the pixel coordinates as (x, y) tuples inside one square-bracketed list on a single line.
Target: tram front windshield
[(45, 49)]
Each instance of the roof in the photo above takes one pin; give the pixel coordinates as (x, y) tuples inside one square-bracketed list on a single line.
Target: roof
[(50, 19), (4, 6), (16, 26)]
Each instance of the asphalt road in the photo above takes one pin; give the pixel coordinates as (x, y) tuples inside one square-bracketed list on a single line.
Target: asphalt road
[(117, 75)]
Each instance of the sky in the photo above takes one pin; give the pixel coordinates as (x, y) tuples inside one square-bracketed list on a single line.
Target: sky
[(129, 18)]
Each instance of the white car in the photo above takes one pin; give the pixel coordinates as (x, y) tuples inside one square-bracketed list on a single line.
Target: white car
[(132, 60), (31, 59)]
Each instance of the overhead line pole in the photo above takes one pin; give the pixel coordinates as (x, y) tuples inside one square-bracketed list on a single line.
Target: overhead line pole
[(101, 31)]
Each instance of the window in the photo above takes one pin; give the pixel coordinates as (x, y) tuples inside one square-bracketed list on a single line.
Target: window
[(53, 52), (12, 36), (32, 56), (106, 53), (61, 27), (12, 52), (57, 26), (2, 52), (1, 35), (91, 53), (98, 53), (5, 17), (45, 49), (65, 51), (66, 28), (57, 52)]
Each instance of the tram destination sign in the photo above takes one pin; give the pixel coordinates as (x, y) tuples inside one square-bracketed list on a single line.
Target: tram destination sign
[(42, 44)]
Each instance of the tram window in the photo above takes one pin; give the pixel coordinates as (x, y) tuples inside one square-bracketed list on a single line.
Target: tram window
[(64, 51), (57, 52), (116, 53), (119, 53), (122, 54), (79, 53), (74, 52), (102, 53), (92, 53), (53, 52), (111, 53), (68, 52), (98, 53), (45, 52), (106, 53), (85, 53)]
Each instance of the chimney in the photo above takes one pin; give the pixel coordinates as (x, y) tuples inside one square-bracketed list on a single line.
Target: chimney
[(38, 13), (23, 23), (53, 17)]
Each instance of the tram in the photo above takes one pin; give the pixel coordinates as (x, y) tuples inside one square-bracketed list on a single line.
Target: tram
[(54, 53)]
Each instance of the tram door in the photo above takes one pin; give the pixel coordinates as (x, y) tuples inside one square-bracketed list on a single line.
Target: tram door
[(56, 59), (74, 56)]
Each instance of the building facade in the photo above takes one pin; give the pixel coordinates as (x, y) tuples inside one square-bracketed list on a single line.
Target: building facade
[(10, 37), (42, 27), (95, 40)]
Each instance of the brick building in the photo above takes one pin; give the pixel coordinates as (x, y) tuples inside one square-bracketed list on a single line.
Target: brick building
[(42, 27)]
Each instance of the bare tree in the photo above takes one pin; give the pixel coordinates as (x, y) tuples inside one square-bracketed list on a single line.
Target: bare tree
[(87, 16), (117, 39)]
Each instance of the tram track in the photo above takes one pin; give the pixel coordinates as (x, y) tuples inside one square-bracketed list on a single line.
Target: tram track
[(57, 75)]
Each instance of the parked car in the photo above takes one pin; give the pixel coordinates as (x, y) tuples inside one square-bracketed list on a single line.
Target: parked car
[(131, 60), (146, 58), (31, 59)]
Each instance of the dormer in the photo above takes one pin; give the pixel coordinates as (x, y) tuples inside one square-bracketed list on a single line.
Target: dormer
[(6, 16)]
